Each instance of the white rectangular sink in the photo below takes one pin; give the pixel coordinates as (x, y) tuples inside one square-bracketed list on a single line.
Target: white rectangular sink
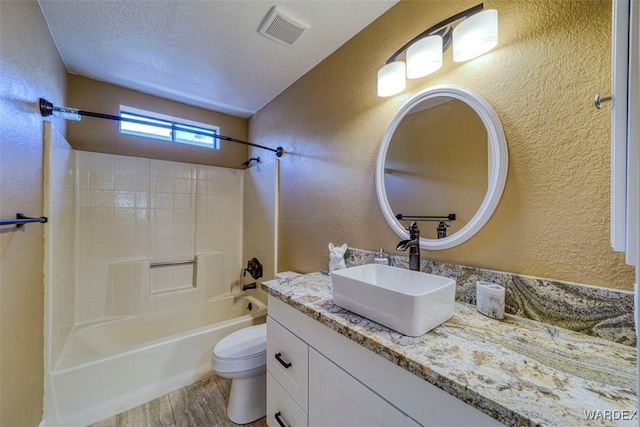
[(410, 302)]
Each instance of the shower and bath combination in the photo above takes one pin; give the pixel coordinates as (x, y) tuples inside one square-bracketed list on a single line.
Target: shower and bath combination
[(187, 318)]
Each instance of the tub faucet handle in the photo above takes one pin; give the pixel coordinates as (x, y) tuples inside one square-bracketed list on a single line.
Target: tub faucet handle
[(254, 268)]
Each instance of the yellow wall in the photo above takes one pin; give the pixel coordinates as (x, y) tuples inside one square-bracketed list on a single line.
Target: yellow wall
[(30, 67), (553, 219), (103, 136)]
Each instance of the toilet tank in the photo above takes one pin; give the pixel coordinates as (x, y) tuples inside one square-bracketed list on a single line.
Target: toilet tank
[(286, 274)]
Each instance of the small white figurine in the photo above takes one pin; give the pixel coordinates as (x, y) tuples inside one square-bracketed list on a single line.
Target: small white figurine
[(336, 257)]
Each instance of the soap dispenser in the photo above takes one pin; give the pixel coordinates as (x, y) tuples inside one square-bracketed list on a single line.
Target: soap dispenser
[(381, 258)]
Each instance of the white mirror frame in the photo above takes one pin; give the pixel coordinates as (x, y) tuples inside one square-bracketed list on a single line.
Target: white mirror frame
[(497, 164)]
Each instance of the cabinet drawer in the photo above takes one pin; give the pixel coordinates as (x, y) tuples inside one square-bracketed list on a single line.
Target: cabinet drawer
[(282, 406), (288, 361)]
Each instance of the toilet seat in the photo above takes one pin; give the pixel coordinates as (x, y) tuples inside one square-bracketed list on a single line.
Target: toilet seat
[(243, 350)]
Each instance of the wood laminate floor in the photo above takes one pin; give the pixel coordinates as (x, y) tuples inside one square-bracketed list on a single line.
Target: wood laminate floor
[(202, 404)]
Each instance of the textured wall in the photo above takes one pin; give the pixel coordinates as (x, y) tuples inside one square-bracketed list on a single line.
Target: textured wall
[(103, 136), (30, 67), (553, 219)]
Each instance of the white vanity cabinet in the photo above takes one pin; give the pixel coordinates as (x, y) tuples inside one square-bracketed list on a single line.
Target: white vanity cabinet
[(302, 381), (346, 384), (338, 399)]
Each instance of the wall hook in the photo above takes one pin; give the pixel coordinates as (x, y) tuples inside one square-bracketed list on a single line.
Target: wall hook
[(597, 101)]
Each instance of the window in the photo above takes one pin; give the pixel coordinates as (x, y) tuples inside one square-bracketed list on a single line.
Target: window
[(159, 126)]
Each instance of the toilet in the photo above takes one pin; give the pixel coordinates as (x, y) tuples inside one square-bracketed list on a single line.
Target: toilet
[(242, 357)]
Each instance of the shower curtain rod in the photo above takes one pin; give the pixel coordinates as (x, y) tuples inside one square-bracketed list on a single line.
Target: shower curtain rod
[(48, 109)]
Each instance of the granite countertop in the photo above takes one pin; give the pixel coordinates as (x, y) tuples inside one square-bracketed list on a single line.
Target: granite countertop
[(519, 371)]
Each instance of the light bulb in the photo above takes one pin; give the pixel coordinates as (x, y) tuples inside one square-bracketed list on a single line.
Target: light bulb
[(391, 79), (475, 36), (424, 57)]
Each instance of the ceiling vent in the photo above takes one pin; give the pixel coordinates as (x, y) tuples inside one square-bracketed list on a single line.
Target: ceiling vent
[(282, 27)]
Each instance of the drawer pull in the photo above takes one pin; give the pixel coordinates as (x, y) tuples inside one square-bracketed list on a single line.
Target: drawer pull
[(280, 420), (282, 362)]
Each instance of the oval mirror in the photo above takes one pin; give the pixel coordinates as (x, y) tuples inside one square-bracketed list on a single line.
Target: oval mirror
[(443, 156)]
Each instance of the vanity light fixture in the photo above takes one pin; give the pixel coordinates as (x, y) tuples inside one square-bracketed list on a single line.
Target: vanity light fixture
[(475, 33)]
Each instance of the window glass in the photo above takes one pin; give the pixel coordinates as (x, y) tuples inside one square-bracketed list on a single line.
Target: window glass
[(195, 135), (149, 131), (158, 126)]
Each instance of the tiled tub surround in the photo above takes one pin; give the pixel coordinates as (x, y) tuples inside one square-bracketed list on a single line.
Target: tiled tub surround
[(519, 371), (130, 286), (600, 312), (133, 209)]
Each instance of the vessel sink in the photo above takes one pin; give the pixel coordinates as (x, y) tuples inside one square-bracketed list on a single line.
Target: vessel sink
[(410, 302)]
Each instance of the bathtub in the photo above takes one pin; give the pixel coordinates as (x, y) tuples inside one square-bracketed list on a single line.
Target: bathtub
[(113, 366)]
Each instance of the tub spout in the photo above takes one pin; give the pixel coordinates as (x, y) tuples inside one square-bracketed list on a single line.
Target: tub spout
[(249, 286)]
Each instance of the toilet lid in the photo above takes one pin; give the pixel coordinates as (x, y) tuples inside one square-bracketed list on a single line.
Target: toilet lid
[(247, 342)]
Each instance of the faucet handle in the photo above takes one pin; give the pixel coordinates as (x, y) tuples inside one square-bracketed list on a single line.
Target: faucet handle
[(414, 231), (254, 268)]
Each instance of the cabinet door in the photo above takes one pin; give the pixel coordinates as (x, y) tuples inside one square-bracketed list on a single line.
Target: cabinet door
[(338, 399)]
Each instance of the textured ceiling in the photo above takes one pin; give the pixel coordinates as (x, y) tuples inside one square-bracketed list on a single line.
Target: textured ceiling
[(204, 53)]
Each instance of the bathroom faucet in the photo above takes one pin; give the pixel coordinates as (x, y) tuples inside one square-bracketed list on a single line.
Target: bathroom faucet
[(414, 244)]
